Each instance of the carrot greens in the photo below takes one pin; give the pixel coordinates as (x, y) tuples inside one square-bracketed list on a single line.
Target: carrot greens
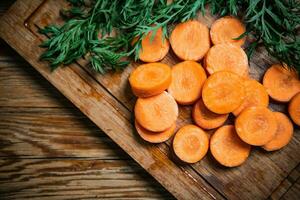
[(102, 30)]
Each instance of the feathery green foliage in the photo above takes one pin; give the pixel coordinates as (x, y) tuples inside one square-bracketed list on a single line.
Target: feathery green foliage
[(104, 29)]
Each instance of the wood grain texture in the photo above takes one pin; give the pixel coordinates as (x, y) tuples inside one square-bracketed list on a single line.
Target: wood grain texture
[(293, 193), (24, 80), (257, 179), (53, 133), (286, 184), (76, 178)]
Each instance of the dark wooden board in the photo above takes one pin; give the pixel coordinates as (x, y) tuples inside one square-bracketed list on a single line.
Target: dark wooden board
[(107, 101)]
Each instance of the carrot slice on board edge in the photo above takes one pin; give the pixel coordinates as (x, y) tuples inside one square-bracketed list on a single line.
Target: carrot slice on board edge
[(155, 137), (150, 79)]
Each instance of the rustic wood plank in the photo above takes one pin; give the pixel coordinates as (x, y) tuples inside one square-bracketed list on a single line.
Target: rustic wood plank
[(53, 132), (94, 101), (293, 193), (286, 184), (36, 91), (70, 178)]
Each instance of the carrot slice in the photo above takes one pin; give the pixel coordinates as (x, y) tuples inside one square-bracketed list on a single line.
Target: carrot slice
[(256, 95), (227, 57), (281, 83), (188, 78), (223, 92), (294, 109), (190, 40), (150, 79), (227, 148), (205, 118), (225, 29), (283, 135), (155, 137), (154, 47), (190, 143), (256, 125), (157, 113)]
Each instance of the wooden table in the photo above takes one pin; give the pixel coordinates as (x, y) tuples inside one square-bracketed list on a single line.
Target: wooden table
[(50, 150)]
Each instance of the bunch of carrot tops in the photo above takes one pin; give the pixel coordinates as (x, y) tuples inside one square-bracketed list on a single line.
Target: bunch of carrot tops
[(216, 89), (90, 23)]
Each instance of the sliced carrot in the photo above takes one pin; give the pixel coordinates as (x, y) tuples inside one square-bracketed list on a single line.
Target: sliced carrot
[(205, 118), (154, 47), (227, 148), (157, 113), (283, 135), (223, 92), (155, 137), (256, 125), (294, 109), (190, 40), (225, 29), (281, 83), (190, 143), (188, 78), (256, 95), (150, 79), (227, 57)]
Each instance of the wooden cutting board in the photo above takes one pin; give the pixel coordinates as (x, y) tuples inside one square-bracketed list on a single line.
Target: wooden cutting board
[(108, 102)]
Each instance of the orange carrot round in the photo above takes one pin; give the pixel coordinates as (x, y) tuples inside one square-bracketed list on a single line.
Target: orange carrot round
[(190, 143), (256, 95), (227, 57), (294, 109), (225, 29), (190, 40), (150, 79), (223, 92), (256, 125), (283, 135), (155, 137), (157, 113), (154, 47), (205, 118), (281, 83), (188, 78), (227, 148)]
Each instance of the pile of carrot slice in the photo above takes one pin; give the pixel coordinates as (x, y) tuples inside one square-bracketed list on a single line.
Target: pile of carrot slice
[(217, 88)]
